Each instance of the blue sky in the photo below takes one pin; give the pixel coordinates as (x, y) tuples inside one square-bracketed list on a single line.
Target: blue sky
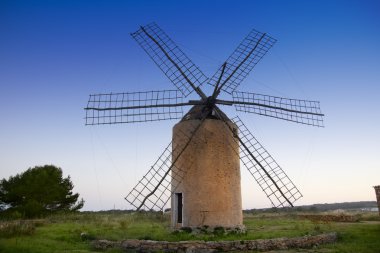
[(53, 54)]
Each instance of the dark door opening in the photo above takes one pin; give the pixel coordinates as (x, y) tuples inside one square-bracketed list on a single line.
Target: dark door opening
[(179, 207)]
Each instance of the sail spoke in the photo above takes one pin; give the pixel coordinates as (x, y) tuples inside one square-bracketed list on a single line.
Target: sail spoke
[(241, 62), (268, 174), (296, 110), (132, 107), (173, 62), (154, 190)]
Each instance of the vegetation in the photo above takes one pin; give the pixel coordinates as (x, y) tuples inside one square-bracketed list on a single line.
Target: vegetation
[(36, 192), (69, 232), (348, 206)]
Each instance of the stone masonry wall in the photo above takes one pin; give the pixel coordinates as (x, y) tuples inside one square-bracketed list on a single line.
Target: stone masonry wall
[(217, 246), (211, 192)]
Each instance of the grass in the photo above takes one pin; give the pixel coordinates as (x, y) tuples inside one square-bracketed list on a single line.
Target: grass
[(73, 232)]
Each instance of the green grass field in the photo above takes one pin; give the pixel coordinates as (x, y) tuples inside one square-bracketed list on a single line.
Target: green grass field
[(62, 233)]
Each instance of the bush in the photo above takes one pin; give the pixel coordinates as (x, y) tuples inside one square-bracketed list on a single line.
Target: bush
[(16, 228), (187, 229), (218, 231)]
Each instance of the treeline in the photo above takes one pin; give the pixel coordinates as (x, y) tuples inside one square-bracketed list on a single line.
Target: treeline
[(306, 208), (321, 207), (344, 205)]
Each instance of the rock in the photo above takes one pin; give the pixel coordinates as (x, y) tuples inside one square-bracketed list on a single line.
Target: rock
[(105, 244), (86, 237), (217, 246), (131, 244)]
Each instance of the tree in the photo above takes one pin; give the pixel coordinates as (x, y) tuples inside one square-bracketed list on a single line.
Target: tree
[(38, 191)]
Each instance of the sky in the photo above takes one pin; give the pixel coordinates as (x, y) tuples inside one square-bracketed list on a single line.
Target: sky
[(53, 54)]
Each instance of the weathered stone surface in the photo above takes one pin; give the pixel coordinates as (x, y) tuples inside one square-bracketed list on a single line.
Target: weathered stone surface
[(105, 244), (210, 165), (131, 244), (217, 246)]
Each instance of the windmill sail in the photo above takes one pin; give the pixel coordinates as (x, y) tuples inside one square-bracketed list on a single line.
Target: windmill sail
[(134, 107), (268, 174), (181, 71), (240, 63), (296, 110), (153, 191)]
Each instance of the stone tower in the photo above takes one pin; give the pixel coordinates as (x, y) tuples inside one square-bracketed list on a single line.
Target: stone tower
[(210, 193), (377, 191)]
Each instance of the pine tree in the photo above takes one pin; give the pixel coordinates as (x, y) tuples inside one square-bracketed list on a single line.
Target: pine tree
[(39, 191)]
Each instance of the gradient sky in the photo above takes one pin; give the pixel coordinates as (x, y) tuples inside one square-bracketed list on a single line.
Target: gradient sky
[(53, 54)]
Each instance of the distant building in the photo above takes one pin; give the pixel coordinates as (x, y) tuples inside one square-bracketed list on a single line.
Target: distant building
[(377, 190)]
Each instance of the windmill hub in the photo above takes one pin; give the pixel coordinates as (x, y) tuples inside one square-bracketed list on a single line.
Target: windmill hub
[(206, 107), (210, 102), (209, 107), (205, 111)]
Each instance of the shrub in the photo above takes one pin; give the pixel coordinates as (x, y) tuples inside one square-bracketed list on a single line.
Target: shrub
[(16, 228)]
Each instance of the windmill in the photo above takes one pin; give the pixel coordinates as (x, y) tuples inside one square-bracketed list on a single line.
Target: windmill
[(200, 169)]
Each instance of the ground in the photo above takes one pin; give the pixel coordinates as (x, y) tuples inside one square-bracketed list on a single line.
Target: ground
[(357, 231)]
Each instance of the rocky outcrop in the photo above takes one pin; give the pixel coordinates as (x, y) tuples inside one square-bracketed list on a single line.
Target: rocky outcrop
[(217, 246)]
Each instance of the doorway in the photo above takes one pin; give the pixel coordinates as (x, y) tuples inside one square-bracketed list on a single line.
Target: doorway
[(179, 203)]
